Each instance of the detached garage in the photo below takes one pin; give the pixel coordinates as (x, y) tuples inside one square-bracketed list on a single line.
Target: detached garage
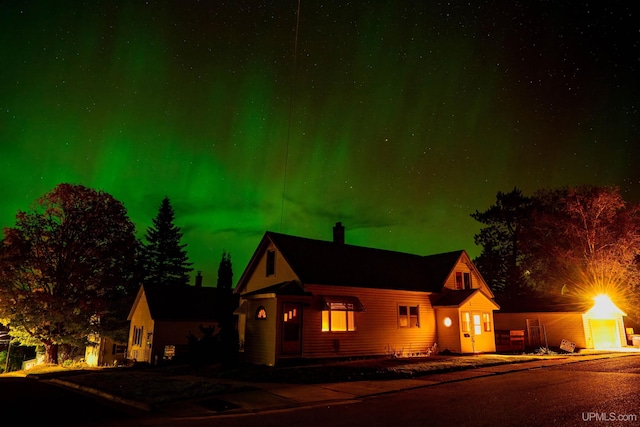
[(548, 321)]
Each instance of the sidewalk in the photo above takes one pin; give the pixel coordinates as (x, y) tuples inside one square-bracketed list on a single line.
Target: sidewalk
[(253, 397)]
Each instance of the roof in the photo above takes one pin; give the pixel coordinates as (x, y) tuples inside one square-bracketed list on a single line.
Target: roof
[(552, 304), (182, 303), (284, 288), (329, 263), (454, 298)]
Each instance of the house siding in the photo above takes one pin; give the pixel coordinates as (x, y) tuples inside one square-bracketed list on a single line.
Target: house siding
[(260, 335), (485, 342), (377, 330), (141, 318), (282, 273), (558, 326), (448, 337)]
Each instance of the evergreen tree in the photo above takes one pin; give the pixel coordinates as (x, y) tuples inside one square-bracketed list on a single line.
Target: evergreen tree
[(225, 272), (165, 259)]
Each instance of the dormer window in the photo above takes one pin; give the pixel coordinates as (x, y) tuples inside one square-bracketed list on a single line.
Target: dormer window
[(271, 263), (463, 280)]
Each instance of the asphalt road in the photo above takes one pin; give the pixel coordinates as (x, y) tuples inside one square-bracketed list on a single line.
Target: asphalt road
[(589, 393), (26, 401)]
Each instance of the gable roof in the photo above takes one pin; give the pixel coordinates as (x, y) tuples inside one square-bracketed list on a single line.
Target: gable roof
[(329, 263), (183, 303), (455, 298)]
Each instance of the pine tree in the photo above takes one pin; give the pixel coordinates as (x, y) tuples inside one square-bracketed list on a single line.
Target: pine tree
[(225, 272), (165, 259)]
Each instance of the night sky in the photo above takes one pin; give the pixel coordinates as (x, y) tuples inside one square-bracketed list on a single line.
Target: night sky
[(397, 118)]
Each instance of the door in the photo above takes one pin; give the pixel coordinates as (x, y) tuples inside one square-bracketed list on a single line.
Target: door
[(604, 333), (291, 328)]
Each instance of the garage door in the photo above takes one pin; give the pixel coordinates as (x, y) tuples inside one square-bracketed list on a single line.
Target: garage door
[(604, 333)]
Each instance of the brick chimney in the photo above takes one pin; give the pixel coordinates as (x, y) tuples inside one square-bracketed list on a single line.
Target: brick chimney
[(338, 233), (199, 279)]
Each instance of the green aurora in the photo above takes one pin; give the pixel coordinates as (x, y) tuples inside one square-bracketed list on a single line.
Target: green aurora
[(397, 118)]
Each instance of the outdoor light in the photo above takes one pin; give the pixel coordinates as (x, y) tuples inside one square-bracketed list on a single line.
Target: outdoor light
[(447, 321), (604, 307)]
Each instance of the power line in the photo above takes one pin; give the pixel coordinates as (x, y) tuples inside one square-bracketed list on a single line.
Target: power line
[(292, 88)]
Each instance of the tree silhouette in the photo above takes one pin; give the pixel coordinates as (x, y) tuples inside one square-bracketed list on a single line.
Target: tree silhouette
[(66, 269), (225, 272), (501, 240), (165, 259)]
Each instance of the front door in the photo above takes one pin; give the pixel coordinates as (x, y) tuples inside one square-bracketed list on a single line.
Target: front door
[(291, 328)]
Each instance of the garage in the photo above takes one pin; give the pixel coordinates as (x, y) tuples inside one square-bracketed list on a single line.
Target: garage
[(604, 333)]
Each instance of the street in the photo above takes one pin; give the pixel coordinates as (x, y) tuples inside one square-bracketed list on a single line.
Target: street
[(589, 393)]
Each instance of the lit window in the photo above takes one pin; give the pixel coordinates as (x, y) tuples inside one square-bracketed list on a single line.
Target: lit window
[(466, 321), (339, 318), (486, 321), (408, 316), (261, 313), (477, 327), (271, 263)]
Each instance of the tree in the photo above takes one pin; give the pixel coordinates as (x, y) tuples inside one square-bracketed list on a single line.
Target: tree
[(165, 259), (66, 269), (225, 272), (502, 255), (585, 240)]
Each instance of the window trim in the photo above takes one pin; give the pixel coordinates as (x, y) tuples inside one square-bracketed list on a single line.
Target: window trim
[(329, 316), (465, 321), (271, 263), (407, 316), (486, 321)]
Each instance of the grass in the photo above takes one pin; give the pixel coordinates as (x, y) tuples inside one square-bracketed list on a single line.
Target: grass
[(154, 385)]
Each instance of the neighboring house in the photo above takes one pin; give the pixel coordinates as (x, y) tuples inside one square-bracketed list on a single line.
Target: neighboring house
[(547, 321), (104, 351), (305, 298), (164, 319)]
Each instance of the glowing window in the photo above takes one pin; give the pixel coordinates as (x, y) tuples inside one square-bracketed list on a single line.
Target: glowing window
[(261, 313), (458, 280), (477, 327), (486, 321), (466, 321), (339, 318)]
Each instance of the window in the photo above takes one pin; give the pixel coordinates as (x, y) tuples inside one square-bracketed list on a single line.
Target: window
[(137, 335), (261, 313), (477, 327), (338, 318), (271, 263), (467, 280), (458, 280), (486, 321), (466, 321), (408, 316)]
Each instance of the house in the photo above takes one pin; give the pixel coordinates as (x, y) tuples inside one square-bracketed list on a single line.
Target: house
[(302, 298), (547, 321), (163, 320), (104, 351)]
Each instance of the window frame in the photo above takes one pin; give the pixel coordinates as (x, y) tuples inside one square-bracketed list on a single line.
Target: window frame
[(465, 321), (270, 263), (486, 321), (406, 320), (332, 318)]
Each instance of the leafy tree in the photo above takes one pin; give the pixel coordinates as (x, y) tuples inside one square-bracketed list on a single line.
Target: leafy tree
[(585, 240), (225, 272), (165, 259), (501, 241), (66, 269)]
